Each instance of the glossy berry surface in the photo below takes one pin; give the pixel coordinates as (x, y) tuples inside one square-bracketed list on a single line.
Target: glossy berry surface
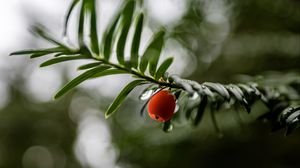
[(161, 106)]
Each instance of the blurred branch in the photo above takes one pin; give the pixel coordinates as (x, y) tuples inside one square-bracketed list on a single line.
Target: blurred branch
[(284, 111)]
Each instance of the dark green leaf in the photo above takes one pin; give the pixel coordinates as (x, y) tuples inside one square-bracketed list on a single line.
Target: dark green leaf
[(201, 109), (120, 98), (50, 51), (165, 76), (59, 54), (125, 25), (136, 41), (25, 52), (66, 53), (81, 24), (61, 59), (109, 72), (73, 4), (40, 31), (93, 27), (163, 67), (40, 54), (88, 66), (108, 38), (39, 51), (121, 45), (157, 46), (85, 51), (152, 53), (79, 79)]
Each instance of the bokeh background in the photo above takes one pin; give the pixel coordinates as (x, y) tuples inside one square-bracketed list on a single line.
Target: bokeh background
[(211, 40)]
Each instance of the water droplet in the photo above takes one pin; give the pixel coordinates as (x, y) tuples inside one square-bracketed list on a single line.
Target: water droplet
[(146, 95), (168, 126)]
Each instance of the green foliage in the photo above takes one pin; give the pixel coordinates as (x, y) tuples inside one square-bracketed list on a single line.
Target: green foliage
[(124, 26), (163, 68), (102, 66), (152, 53), (213, 95), (41, 52), (93, 28), (40, 31), (120, 98), (136, 41), (88, 66), (108, 37), (109, 72), (79, 79), (73, 4), (62, 59)]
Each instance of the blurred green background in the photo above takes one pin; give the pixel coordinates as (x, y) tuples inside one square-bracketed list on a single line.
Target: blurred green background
[(211, 40)]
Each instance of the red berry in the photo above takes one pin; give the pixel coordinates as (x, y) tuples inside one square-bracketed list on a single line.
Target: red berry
[(161, 106)]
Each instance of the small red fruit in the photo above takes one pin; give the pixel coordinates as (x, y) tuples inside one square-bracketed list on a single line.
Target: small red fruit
[(161, 106)]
